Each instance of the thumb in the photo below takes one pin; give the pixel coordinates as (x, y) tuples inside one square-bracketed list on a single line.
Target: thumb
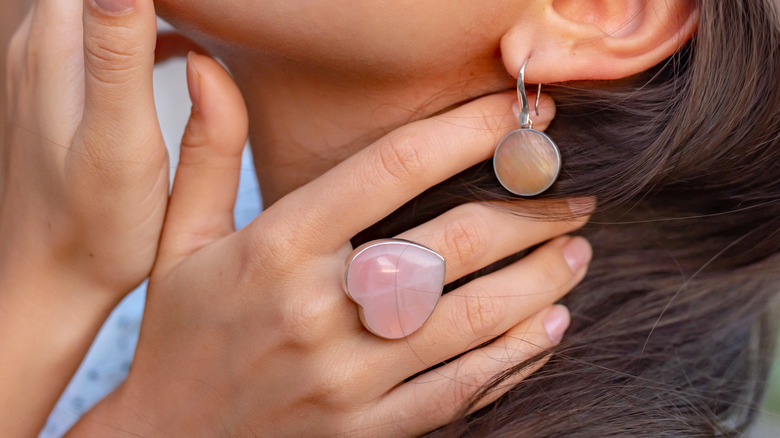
[(200, 209), (119, 42)]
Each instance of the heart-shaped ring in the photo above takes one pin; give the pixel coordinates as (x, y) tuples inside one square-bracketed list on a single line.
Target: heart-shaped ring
[(396, 285)]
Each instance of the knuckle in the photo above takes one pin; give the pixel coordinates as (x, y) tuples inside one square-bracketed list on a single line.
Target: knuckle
[(308, 308), (329, 386), (266, 255), (303, 321), (554, 271), (457, 395), (400, 158), (195, 136), (110, 58), (466, 238), (276, 247), (466, 386), (308, 319), (477, 315)]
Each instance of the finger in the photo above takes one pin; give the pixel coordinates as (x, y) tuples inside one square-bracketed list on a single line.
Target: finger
[(488, 306), (546, 111), (436, 397), (54, 68), (376, 181), (16, 58), (56, 32), (119, 41), (472, 236), (204, 190)]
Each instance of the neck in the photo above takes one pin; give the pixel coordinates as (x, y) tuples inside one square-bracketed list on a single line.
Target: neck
[(303, 121)]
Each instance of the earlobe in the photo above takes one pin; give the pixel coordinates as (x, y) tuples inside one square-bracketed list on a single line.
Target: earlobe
[(596, 39)]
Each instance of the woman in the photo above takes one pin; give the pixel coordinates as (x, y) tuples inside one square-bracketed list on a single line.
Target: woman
[(672, 326), (85, 189)]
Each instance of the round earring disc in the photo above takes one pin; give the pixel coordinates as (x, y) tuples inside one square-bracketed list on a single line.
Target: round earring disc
[(527, 162)]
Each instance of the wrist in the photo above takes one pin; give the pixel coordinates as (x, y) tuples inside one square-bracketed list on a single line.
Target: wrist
[(82, 261), (47, 323), (34, 286)]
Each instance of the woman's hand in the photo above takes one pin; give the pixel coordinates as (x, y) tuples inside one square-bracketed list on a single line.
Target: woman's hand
[(249, 333), (85, 179), (84, 189)]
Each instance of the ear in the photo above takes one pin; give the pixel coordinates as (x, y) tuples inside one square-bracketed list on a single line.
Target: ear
[(596, 39)]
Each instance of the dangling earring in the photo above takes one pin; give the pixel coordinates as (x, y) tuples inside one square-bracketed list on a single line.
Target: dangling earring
[(527, 161)]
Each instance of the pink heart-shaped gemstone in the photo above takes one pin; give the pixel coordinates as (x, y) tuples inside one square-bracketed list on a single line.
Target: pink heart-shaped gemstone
[(396, 285)]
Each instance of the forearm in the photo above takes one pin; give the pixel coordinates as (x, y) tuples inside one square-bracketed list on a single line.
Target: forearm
[(46, 327)]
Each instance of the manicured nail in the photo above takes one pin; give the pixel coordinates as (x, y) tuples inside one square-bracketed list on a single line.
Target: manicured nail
[(556, 322), (193, 81), (577, 252), (114, 6), (516, 109), (581, 206)]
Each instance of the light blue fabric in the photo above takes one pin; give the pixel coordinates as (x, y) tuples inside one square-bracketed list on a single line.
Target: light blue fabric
[(109, 358)]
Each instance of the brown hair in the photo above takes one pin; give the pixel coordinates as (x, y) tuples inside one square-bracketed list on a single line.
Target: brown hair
[(672, 329)]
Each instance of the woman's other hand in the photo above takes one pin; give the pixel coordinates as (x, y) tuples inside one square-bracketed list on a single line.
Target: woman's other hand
[(84, 189), (85, 179), (249, 333)]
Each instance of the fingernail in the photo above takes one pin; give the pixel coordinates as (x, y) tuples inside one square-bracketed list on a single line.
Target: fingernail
[(577, 252), (581, 206), (516, 109), (556, 322), (114, 6), (193, 81)]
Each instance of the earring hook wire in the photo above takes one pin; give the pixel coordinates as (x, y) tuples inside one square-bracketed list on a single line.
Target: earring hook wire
[(525, 111)]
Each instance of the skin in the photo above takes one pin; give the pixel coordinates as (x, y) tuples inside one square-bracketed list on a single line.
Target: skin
[(315, 370), (11, 13), (322, 79), (319, 102), (80, 191), (332, 109), (100, 183), (378, 63)]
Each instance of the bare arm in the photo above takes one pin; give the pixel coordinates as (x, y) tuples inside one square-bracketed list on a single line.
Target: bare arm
[(82, 195)]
